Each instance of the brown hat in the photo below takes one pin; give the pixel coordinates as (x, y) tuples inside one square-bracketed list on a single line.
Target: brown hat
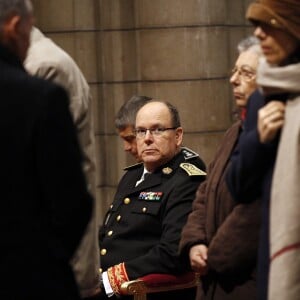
[(284, 14)]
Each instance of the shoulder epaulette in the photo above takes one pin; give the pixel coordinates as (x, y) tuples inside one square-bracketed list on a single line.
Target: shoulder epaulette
[(192, 170), (132, 166), (188, 153)]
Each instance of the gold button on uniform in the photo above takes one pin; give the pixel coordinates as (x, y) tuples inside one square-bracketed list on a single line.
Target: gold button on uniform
[(274, 22), (110, 233), (103, 251), (126, 200), (144, 209), (118, 218), (111, 206), (100, 270)]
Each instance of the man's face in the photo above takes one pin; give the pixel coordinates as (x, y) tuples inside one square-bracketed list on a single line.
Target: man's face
[(243, 77), (129, 141), (156, 150)]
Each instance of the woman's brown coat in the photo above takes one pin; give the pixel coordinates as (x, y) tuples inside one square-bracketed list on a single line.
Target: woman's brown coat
[(229, 229)]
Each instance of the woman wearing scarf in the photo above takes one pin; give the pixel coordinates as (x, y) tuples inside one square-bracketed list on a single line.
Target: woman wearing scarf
[(267, 163)]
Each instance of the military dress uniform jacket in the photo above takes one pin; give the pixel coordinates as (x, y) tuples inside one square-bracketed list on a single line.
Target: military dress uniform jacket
[(143, 225)]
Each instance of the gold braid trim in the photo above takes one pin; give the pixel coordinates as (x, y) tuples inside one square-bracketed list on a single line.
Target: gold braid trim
[(117, 275)]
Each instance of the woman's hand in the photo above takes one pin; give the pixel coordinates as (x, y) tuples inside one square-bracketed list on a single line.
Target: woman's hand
[(270, 120)]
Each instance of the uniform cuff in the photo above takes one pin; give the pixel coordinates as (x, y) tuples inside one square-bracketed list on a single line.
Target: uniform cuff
[(116, 276)]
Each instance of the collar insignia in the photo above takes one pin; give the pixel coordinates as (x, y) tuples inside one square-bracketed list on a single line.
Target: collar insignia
[(167, 170), (150, 196), (188, 153)]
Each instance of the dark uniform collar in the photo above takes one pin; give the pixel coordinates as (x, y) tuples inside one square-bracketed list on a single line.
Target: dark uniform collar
[(132, 167), (162, 173), (188, 153), (185, 154)]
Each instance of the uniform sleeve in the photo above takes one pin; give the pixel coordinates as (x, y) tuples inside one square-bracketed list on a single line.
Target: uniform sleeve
[(66, 202)]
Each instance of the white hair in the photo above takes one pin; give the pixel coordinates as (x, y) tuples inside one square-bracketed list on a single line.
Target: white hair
[(251, 43)]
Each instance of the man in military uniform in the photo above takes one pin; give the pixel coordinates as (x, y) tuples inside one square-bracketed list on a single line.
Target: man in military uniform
[(141, 230)]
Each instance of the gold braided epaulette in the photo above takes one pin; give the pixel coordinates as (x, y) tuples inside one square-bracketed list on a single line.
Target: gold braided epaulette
[(192, 170)]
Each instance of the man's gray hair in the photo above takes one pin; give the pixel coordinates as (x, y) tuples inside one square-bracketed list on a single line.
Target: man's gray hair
[(250, 43), (127, 113), (9, 8)]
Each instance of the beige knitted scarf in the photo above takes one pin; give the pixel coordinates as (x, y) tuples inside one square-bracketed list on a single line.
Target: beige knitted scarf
[(284, 276)]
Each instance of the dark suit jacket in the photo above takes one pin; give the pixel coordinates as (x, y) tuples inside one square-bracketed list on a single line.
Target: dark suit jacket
[(250, 176), (145, 232), (44, 202)]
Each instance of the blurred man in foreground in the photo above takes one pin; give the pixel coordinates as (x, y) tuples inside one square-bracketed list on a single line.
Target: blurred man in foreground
[(46, 206)]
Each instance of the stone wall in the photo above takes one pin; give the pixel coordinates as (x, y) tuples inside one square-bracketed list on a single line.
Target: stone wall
[(178, 50)]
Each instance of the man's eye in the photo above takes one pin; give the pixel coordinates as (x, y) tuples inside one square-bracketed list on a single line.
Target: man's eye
[(247, 73), (129, 138), (141, 131)]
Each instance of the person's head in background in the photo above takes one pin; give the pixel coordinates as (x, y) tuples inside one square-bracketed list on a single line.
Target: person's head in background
[(125, 121), (16, 20), (277, 26), (243, 75)]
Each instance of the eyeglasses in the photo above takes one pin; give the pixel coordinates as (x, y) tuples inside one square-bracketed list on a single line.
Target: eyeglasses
[(157, 131), (244, 72)]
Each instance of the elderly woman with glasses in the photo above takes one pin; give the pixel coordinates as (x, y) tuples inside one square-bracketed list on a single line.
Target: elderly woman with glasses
[(220, 238)]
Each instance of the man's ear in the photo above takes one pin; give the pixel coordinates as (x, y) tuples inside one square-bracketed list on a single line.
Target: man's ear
[(179, 135), (11, 29)]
